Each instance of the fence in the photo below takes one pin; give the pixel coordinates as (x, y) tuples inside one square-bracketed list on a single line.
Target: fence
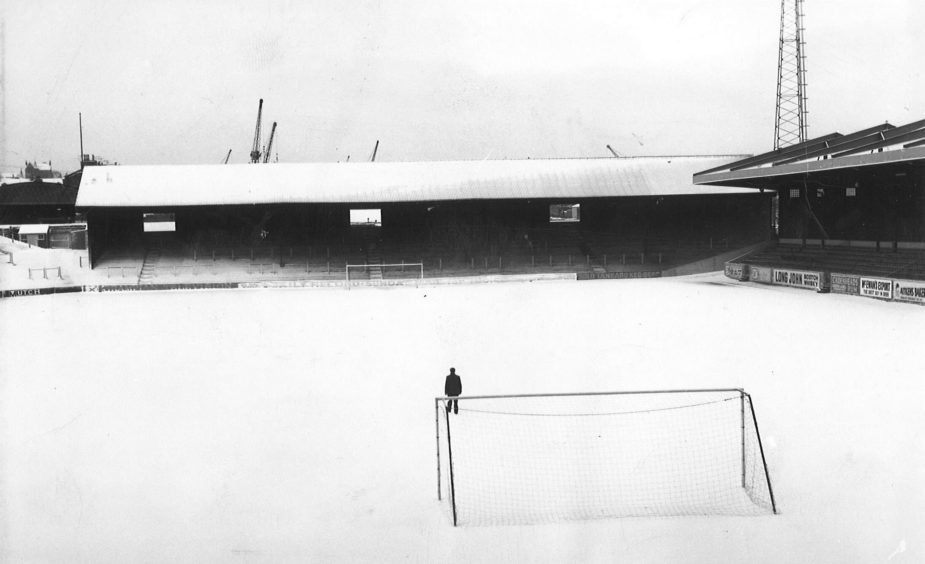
[(280, 254), (122, 270), (45, 270)]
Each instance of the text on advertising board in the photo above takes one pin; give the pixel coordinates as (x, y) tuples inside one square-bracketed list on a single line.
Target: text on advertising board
[(909, 291), (797, 278), (877, 288), (844, 283)]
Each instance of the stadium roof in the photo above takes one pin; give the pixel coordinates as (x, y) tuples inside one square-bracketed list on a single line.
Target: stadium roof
[(881, 146), (37, 193), (33, 229), (387, 182)]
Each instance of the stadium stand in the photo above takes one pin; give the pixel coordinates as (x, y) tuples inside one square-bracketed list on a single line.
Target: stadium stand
[(862, 258)]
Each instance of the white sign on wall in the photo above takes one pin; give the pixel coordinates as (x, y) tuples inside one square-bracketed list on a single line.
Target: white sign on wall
[(798, 278), (909, 291), (877, 288)]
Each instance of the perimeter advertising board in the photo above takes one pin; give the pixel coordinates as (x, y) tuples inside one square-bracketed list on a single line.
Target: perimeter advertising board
[(877, 288), (761, 274), (845, 283), (736, 271), (618, 275), (909, 291), (798, 279)]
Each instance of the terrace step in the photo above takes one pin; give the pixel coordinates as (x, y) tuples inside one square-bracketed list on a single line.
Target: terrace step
[(375, 268), (149, 267)]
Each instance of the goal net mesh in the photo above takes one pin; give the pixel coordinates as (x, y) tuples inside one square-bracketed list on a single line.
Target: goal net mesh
[(520, 460)]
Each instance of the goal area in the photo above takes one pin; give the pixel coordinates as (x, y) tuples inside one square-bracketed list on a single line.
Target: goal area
[(542, 458), (384, 274)]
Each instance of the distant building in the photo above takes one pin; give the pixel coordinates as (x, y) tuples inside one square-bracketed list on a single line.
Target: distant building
[(39, 170), (94, 160), (37, 202)]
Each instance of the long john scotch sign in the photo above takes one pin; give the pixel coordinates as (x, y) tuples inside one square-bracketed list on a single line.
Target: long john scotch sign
[(798, 279)]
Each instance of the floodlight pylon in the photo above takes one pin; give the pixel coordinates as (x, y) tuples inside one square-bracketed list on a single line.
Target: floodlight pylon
[(790, 123)]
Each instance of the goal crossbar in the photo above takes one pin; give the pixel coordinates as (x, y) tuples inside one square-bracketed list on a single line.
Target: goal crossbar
[(615, 393), (534, 469)]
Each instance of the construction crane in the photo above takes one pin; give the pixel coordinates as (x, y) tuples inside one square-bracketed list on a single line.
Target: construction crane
[(266, 155), (228, 156), (609, 148), (255, 150)]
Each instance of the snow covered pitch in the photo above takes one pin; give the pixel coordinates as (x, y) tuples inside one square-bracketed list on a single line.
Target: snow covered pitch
[(298, 425)]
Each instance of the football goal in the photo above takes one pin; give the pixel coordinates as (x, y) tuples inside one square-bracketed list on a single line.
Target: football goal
[(563, 457), (379, 274)]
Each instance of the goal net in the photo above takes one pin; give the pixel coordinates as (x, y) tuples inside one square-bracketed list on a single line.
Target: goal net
[(562, 457), (384, 274)]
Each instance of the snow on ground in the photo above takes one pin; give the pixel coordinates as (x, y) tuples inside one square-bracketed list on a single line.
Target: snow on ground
[(298, 425)]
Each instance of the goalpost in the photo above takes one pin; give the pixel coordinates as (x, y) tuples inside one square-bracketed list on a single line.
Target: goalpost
[(541, 458), (384, 274)]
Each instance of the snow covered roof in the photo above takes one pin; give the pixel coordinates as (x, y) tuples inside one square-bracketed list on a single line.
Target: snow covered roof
[(19, 180), (34, 229), (877, 146), (381, 182)]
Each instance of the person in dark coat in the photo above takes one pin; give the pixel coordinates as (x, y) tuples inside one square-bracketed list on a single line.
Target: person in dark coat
[(452, 388)]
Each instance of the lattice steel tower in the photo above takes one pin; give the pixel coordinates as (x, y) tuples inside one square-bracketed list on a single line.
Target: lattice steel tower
[(790, 119)]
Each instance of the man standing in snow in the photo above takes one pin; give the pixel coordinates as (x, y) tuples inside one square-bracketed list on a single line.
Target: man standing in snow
[(452, 388)]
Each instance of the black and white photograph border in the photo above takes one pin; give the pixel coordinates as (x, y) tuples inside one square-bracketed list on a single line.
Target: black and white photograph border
[(674, 252)]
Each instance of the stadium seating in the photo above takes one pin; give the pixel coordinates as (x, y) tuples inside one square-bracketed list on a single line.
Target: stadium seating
[(862, 258)]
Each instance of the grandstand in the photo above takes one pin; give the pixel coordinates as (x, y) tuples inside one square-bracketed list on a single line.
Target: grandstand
[(848, 205), (843, 256), (466, 218)]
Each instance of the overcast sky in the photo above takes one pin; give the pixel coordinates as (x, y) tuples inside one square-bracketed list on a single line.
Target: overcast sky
[(179, 81)]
